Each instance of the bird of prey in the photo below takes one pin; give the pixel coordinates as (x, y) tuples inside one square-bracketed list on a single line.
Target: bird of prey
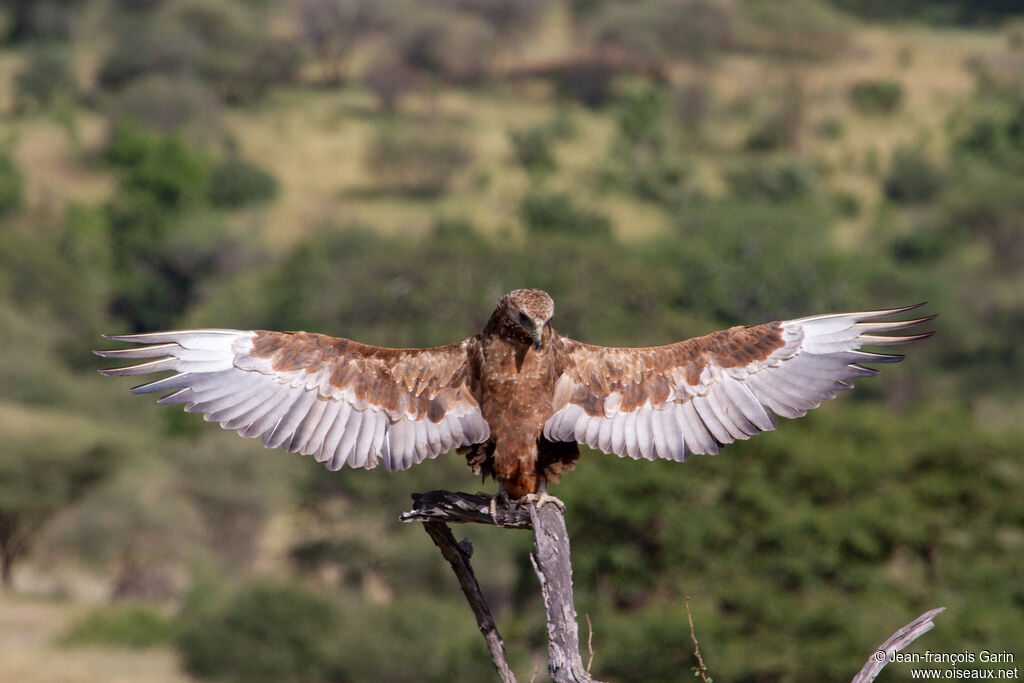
[(518, 397)]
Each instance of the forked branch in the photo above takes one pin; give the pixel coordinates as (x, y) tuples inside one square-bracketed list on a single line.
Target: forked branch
[(550, 559)]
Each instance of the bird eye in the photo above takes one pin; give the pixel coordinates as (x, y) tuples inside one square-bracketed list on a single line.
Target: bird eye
[(523, 318)]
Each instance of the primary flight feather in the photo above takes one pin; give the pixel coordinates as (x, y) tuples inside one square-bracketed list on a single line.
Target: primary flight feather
[(518, 397)]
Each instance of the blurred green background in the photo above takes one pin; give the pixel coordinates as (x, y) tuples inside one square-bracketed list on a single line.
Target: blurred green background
[(384, 171)]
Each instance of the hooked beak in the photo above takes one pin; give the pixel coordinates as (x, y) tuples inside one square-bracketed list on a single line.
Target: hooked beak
[(536, 335)]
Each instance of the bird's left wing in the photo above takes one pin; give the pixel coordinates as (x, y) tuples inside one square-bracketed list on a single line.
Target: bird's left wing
[(341, 401), (697, 395)]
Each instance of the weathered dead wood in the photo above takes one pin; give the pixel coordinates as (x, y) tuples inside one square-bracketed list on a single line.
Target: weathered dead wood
[(550, 560), (458, 555), (462, 508), (896, 642)]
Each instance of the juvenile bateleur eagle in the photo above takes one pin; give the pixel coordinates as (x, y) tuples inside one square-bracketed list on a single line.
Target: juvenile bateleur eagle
[(518, 397)]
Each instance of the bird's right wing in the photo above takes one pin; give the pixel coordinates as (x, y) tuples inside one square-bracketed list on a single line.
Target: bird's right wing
[(341, 401), (697, 395)]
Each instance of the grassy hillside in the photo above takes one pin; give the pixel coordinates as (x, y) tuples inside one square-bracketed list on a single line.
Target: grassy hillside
[(664, 168)]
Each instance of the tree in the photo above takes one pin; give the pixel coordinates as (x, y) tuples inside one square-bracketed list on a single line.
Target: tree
[(331, 29), (48, 461)]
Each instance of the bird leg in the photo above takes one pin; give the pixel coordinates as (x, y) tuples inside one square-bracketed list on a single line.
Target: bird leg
[(502, 497)]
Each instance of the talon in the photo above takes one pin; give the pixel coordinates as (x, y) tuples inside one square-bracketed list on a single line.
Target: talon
[(542, 499), (500, 497)]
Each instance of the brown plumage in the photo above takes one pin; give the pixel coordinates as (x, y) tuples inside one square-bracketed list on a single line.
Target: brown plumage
[(515, 399)]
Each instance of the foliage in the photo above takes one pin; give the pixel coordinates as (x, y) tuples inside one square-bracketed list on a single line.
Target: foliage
[(992, 132), (216, 40), (389, 78), (455, 49), (852, 514), (123, 624), (49, 460), (266, 631), (698, 30), (46, 78), (162, 246), (795, 31), (168, 104), (771, 181), (162, 168), (40, 19), (782, 128), (148, 47), (912, 177), (876, 96), (640, 158), (331, 28), (531, 148), (236, 182), (936, 11), (511, 20), (12, 185), (407, 161), (692, 104), (676, 206), (555, 212)]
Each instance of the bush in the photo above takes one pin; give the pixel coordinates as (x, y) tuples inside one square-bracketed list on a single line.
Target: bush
[(511, 20), (456, 48), (41, 19), (587, 81), (132, 625), (276, 61), (994, 134), (531, 148), (783, 127), (640, 160), (555, 212), (408, 161), (691, 104), (264, 632), (774, 182), (45, 78), (847, 203), (235, 183), (12, 185), (769, 136), (794, 30), (389, 79), (694, 29), (146, 47), (331, 28), (162, 167), (168, 104), (913, 176), (877, 96)]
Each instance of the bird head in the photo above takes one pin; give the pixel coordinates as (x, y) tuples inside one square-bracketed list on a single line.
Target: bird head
[(530, 309)]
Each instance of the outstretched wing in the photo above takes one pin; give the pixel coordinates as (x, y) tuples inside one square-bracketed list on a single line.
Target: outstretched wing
[(341, 401), (699, 394)]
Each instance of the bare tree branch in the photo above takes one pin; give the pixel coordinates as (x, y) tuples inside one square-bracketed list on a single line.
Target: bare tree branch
[(462, 508), (701, 668), (458, 555), (896, 642), (550, 560)]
